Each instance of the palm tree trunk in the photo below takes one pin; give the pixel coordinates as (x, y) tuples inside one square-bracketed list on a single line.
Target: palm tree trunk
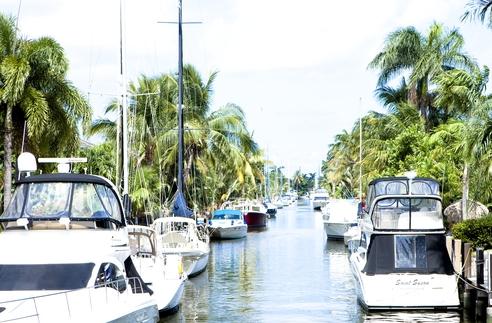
[(7, 162), (464, 199)]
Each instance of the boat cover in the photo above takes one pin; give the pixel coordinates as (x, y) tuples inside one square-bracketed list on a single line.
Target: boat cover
[(180, 208), (429, 254)]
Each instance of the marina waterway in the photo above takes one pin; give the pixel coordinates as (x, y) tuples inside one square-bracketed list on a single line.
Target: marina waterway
[(288, 272)]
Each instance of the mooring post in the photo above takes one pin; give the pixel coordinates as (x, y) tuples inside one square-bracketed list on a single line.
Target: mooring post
[(457, 259), (469, 294), (482, 295), (489, 287)]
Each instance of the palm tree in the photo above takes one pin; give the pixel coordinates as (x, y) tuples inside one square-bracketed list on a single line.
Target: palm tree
[(425, 57), (34, 89), (479, 9)]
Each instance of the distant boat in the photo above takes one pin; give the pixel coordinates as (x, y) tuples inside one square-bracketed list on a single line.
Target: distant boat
[(228, 224), (271, 209), (402, 261), (338, 216), (255, 214), (319, 198)]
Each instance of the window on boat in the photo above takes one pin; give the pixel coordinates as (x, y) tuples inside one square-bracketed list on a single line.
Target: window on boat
[(61, 199), (111, 276), (45, 276), (408, 214), (320, 198), (410, 252), (48, 200), (228, 216), (141, 243)]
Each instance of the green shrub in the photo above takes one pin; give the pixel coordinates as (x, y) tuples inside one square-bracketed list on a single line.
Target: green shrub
[(476, 231)]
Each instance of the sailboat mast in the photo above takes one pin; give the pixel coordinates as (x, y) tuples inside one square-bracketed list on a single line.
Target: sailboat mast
[(124, 108), (180, 100), (360, 150)]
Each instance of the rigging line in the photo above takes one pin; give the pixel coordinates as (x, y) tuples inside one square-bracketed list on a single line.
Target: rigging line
[(157, 148), (117, 95)]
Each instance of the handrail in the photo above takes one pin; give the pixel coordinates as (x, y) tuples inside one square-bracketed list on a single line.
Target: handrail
[(134, 283)]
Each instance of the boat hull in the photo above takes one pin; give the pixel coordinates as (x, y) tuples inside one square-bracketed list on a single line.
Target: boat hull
[(232, 232), (335, 230), (255, 219), (195, 265), (405, 291)]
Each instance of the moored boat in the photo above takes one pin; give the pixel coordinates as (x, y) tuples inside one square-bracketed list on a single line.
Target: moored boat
[(164, 274), (402, 261), (66, 256), (228, 224), (338, 216), (319, 198), (181, 236)]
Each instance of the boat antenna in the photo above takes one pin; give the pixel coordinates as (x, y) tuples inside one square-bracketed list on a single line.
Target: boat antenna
[(124, 108)]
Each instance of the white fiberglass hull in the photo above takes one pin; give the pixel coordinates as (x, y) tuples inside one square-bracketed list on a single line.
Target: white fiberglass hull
[(195, 265), (398, 291), (336, 231), (94, 305), (231, 232)]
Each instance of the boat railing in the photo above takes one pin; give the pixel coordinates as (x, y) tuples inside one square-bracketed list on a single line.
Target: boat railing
[(69, 304)]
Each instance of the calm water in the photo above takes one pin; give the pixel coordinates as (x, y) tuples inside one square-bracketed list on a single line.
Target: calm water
[(288, 272)]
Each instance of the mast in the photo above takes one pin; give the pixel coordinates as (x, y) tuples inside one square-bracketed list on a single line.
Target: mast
[(180, 100), (360, 150), (124, 108)]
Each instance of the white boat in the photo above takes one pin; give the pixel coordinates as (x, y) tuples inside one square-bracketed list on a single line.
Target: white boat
[(65, 254), (228, 224), (319, 198), (402, 261), (163, 274), (181, 236), (338, 216)]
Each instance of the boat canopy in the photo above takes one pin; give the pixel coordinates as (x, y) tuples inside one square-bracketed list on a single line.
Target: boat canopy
[(402, 186), (400, 203), (227, 215), (405, 253), (74, 196)]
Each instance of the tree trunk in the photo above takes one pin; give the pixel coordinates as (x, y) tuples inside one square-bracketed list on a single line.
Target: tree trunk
[(7, 162), (464, 199)]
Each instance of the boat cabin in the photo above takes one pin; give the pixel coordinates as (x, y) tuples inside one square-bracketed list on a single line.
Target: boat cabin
[(71, 201), (403, 204), (407, 232)]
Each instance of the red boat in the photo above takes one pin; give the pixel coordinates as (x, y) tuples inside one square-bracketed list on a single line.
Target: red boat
[(255, 219)]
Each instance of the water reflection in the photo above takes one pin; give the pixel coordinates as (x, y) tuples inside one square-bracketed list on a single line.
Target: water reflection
[(286, 273)]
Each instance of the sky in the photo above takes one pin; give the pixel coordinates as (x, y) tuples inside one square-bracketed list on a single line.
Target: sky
[(298, 68)]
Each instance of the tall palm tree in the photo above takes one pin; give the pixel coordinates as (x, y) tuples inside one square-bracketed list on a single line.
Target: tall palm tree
[(34, 89), (425, 57), (479, 9)]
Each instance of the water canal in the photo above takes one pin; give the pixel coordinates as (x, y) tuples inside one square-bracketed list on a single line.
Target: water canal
[(286, 273)]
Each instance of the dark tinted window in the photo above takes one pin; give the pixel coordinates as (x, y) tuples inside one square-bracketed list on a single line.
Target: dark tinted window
[(45, 277)]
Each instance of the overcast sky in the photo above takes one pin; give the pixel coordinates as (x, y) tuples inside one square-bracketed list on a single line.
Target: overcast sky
[(297, 68)]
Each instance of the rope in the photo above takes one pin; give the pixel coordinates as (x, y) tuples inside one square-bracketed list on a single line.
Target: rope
[(459, 276)]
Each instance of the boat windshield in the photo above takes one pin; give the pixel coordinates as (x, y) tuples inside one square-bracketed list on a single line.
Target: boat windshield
[(45, 276), (226, 216), (320, 198), (48, 200), (408, 214)]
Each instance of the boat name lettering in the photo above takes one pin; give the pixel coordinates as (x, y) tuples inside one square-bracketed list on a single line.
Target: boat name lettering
[(413, 282)]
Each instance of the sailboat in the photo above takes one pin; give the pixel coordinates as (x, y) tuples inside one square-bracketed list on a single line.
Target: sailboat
[(179, 234), (161, 273)]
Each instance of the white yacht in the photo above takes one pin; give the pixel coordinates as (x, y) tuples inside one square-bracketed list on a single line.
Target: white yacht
[(65, 254), (402, 261), (163, 274), (181, 236), (338, 216), (228, 224), (319, 198)]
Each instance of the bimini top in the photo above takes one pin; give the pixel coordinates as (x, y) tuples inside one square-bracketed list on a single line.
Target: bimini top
[(403, 204), (77, 197)]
